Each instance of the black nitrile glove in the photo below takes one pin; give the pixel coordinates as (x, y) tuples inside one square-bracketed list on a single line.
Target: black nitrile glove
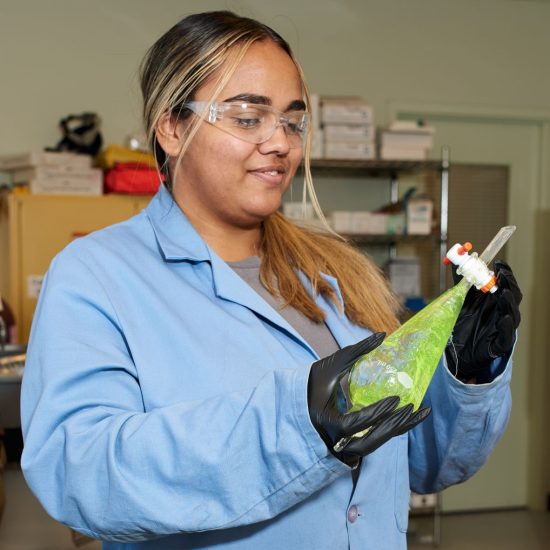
[(381, 417), (486, 327)]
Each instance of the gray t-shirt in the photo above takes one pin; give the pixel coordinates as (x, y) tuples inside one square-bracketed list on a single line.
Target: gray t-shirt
[(317, 335)]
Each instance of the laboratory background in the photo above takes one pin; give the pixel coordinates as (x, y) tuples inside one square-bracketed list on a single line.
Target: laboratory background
[(453, 143)]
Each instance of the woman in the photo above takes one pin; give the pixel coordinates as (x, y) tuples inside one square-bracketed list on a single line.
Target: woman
[(174, 395)]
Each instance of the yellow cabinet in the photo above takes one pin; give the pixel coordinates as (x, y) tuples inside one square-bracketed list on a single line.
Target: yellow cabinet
[(34, 228)]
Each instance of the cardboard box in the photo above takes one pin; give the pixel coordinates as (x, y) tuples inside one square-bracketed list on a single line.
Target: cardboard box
[(340, 221), (419, 216), (46, 173), (346, 110), (350, 132), (359, 222), (65, 186), (44, 158), (350, 150), (368, 223)]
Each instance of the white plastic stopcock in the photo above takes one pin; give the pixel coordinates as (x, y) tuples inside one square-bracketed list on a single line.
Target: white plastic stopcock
[(471, 267)]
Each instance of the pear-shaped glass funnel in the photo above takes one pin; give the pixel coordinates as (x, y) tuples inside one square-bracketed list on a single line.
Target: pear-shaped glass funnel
[(405, 362)]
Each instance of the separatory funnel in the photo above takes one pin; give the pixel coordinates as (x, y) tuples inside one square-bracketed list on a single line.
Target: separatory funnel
[(405, 362)]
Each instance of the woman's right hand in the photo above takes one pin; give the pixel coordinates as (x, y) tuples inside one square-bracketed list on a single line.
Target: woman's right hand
[(382, 419)]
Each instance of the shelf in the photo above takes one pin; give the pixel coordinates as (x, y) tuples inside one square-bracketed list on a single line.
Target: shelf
[(435, 174), (363, 240), (374, 167)]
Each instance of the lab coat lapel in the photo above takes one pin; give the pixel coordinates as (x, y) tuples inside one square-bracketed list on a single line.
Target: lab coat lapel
[(344, 332), (179, 241), (229, 286)]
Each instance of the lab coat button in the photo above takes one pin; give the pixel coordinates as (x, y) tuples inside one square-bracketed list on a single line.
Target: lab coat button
[(352, 513)]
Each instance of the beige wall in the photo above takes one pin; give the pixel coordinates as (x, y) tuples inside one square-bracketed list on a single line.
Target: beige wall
[(66, 56)]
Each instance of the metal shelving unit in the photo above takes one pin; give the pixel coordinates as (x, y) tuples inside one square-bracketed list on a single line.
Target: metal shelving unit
[(392, 170)]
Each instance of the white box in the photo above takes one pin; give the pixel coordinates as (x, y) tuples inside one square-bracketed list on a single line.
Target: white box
[(404, 140), (350, 150), (368, 223), (341, 221), (45, 173), (49, 158), (346, 110), (404, 276), (359, 222), (419, 216), (66, 185), (350, 132)]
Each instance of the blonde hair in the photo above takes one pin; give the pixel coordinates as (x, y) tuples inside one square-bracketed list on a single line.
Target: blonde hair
[(178, 64)]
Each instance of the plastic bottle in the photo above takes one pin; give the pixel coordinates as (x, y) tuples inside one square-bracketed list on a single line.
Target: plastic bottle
[(405, 362)]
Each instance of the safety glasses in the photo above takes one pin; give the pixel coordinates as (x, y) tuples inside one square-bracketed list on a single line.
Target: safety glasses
[(251, 122)]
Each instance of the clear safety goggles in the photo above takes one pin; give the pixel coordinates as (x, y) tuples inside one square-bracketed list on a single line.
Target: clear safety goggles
[(252, 122)]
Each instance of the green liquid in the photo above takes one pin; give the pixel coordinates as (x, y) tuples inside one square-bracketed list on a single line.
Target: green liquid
[(405, 362)]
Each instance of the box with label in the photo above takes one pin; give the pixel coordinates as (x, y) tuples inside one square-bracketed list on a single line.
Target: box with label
[(419, 216), (346, 110)]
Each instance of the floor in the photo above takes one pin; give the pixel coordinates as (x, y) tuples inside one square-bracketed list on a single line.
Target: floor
[(511, 530)]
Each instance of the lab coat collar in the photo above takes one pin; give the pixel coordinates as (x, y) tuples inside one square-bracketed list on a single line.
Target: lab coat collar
[(179, 241), (176, 237)]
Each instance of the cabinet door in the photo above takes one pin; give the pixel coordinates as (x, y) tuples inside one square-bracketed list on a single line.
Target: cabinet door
[(42, 225)]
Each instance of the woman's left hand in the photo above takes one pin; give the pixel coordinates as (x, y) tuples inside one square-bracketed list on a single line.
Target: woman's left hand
[(486, 326)]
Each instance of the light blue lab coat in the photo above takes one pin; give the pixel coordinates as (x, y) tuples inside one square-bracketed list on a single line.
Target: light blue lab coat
[(162, 397)]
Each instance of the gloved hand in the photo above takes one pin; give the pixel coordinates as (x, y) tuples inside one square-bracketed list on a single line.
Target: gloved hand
[(332, 424), (485, 327)]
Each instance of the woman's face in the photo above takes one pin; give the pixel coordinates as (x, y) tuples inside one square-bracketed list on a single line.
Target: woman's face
[(226, 182)]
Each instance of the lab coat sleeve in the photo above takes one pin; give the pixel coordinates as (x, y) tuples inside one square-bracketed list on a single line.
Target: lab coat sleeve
[(465, 424), (101, 464)]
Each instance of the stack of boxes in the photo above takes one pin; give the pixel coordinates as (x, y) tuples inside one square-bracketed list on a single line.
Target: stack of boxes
[(348, 128), (54, 173)]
